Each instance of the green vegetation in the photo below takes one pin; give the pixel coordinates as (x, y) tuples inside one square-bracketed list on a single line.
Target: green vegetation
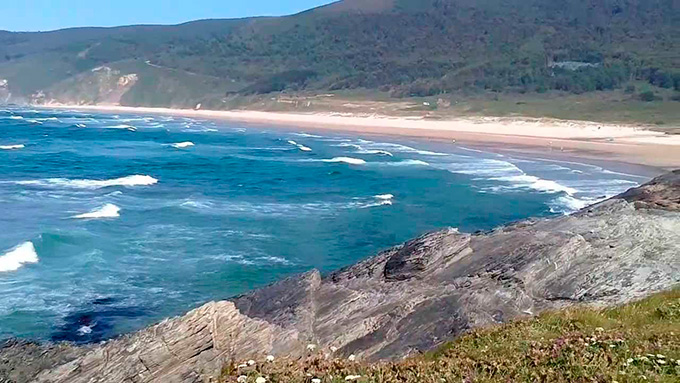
[(638, 342), (405, 48)]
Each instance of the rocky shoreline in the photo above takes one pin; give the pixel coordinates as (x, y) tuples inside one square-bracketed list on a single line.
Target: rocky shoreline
[(402, 302)]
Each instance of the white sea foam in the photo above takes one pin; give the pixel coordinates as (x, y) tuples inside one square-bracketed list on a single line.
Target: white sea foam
[(307, 135), (14, 259), (106, 211), (386, 202), (12, 147), (201, 130), (136, 180), (300, 146), (182, 145), (536, 183), (376, 152), (16, 118), (384, 196), (569, 204), (81, 126), (347, 160), (123, 126), (84, 330), (407, 163)]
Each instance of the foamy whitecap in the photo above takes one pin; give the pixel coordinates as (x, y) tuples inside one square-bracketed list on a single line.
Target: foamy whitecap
[(347, 160), (182, 145), (107, 211), (300, 146), (16, 118), (129, 181), (12, 147), (84, 330), (376, 152), (123, 126), (537, 184), (384, 196), (14, 259), (569, 204)]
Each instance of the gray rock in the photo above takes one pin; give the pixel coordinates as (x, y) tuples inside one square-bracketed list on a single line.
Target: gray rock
[(403, 301)]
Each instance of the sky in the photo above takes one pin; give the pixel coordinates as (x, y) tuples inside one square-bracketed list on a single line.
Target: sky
[(46, 15)]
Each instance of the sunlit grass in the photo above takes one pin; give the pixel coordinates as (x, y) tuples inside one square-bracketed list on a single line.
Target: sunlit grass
[(639, 342)]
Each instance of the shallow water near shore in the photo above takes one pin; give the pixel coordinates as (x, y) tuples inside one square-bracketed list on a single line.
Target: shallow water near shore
[(112, 222)]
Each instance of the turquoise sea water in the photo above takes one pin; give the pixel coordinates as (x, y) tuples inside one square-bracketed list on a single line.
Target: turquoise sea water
[(110, 223)]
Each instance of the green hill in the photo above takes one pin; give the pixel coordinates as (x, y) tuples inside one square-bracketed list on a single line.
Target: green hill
[(400, 47)]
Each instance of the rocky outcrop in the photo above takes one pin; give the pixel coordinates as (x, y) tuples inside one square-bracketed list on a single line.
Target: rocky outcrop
[(404, 301)]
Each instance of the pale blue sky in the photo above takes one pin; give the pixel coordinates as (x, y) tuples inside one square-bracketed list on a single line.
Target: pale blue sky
[(44, 15)]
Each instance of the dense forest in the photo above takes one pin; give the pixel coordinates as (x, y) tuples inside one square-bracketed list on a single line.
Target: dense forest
[(403, 47)]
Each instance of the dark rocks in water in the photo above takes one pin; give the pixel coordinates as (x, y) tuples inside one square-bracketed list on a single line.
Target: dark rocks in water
[(403, 301), (93, 324)]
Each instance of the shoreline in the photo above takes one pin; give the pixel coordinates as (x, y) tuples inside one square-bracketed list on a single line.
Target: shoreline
[(556, 138)]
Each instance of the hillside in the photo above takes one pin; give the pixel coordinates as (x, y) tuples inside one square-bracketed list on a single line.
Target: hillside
[(402, 48)]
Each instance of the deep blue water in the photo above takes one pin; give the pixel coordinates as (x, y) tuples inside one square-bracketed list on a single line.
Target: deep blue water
[(168, 228)]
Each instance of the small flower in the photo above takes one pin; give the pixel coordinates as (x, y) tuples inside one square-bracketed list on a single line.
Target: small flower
[(644, 359), (661, 361), (270, 358), (599, 329), (677, 362), (612, 346), (251, 362), (242, 379), (316, 380), (352, 377), (661, 356), (352, 358), (242, 365), (334, 349), (630, 360), (311, 347), (260, 379)]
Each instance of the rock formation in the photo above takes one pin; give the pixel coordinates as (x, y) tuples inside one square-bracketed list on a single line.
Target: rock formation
[(403, 301)]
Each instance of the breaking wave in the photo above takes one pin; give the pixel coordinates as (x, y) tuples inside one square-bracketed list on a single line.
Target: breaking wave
[(14, 259), (106, 211), (182, 145), (136, 180), (300, 146), (346, 160), (537, 184), (12, 147)]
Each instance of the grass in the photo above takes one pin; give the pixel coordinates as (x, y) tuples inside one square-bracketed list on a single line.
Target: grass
[(638, 342)]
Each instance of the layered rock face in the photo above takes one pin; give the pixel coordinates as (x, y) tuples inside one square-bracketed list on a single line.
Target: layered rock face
[(404, 301)]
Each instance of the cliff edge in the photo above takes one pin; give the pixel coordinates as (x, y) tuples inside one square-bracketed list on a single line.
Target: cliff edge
[(402, 302)]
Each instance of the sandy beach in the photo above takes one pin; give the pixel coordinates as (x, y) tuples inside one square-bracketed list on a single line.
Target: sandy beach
[(575, 139)]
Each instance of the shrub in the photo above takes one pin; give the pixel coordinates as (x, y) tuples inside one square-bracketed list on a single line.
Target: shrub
[(647, 96)]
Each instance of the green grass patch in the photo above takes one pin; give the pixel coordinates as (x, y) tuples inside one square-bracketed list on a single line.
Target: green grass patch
[(638, 342)]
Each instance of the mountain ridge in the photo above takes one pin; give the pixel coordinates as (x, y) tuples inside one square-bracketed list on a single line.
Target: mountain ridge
[(401, 47)]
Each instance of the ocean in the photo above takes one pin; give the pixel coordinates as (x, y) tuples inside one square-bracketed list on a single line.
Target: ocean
[(110, 223)]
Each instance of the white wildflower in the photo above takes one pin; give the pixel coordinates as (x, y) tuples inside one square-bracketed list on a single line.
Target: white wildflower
[(352, 358), (316, 380), (352, 377), (661, 356), (660, 361), (242, 379), (311, 347), (270, 358), (644, 359), (599, 329), (260, 379), (334, 349), (630, 360), (251, 362), (242, 365)]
